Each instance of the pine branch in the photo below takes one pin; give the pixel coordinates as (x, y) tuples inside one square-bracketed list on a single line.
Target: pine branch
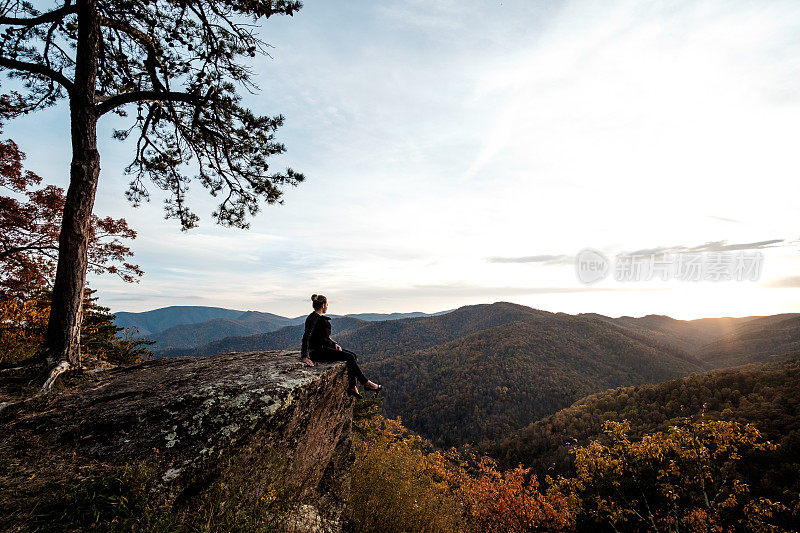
[(145, 96), (34, 68), (51, 16)]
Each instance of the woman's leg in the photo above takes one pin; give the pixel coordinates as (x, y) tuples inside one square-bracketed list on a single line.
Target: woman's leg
[(332, 354), (354, 364)]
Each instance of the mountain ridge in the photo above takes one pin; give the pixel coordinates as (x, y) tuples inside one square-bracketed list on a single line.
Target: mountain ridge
[(529, 367), (182, 327)]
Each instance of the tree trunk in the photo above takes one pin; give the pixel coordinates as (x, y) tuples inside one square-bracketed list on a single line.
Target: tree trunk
[(62, 342)]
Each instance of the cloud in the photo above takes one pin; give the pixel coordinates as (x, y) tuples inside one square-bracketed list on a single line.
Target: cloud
[(724, 219), (791, 282), (545, 259), (134, 297), (712, 246)]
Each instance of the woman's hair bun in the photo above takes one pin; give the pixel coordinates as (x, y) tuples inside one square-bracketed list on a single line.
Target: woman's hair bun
[(318, 301)]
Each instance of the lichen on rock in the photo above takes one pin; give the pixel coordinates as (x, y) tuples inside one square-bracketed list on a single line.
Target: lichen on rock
[(220, 435)]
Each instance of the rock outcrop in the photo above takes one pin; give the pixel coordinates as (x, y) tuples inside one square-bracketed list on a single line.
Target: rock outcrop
[(232, 431)]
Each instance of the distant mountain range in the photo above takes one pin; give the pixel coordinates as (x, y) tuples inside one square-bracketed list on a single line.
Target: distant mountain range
[(286, 338), (179, 327), (763, 339), (157, 320), (378, 339)]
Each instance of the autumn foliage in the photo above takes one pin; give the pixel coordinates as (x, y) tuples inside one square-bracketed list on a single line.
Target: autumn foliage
[(402, 483), (30, 221), (684, 479), (23, 324), (399, 482)]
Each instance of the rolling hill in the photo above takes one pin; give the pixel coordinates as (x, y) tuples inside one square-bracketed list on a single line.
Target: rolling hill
[(149, 322), (763, 339), (688, 335), (180, 327), (286, 338), (381, 340), (384, 338), (191, 335), (491, 382), (764, 394)]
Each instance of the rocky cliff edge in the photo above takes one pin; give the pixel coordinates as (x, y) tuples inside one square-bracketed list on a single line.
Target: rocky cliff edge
[(218, 439)]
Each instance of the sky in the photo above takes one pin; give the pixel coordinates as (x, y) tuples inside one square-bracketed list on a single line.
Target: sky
[(466, 152)]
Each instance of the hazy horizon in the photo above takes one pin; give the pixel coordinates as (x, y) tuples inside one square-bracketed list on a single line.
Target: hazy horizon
[(426, 312)]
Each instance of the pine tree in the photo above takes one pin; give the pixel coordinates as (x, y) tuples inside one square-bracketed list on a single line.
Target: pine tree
[(178, 63)]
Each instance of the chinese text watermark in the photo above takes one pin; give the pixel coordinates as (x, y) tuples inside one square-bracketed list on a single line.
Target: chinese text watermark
[(592, 266)]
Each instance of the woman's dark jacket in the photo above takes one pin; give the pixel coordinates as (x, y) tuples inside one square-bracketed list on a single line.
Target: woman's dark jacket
[(317, 334)]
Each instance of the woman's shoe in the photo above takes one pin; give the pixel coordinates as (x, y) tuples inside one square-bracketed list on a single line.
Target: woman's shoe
[(355, 393), (376, 391)]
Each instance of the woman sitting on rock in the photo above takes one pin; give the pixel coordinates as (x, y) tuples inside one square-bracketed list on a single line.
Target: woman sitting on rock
[(318, 346)]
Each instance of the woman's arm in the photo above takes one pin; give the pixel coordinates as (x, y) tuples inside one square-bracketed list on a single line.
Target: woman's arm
[(331, 343), (311, 321)]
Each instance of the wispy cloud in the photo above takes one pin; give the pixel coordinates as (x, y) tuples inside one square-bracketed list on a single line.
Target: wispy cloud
[(150, 297), (715, 246), (544, 259), (712, 246), (725, 219), (790, 282)]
